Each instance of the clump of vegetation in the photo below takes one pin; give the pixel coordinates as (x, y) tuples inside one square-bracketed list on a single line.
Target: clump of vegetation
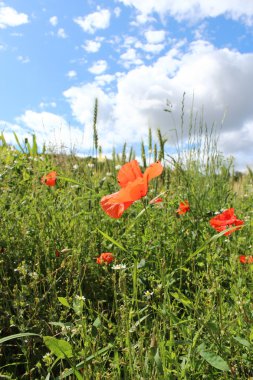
[(157, 292)]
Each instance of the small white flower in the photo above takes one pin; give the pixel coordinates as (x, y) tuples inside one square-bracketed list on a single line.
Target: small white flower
[(119, 266), (108, 174), (75, 167), (148, 294), (90, 165), (34, 275), (80, 298), (117, 167)]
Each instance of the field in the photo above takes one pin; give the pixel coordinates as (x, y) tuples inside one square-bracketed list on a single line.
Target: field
[(172, 300)]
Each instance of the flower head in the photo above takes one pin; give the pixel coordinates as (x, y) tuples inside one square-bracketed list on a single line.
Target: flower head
[(105, 258), (49, 179), (246, 259), (119, 267), (155, 201), (134, 186), (225, 220), (183, 207)]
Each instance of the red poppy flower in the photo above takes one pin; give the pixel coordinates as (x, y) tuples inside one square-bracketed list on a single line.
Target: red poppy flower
[(57, 253), (49, 179), (183, 207), (134, 186), (155, 201), (226, 220), (246, 259), (105, 258)]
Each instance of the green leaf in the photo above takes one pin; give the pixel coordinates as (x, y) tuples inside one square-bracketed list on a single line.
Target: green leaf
[(19, 145), (97, 322), (158, 361), (15, 336), (58, 347), (181, 298), (213, 359), (64, 302), (88, 359), (66, 325), (243, 341), (111, 240), (141, 264)]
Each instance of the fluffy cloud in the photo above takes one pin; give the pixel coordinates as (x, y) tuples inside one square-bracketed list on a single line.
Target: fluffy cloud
[(155, 36), (61, 33), (213, 79), (47, 127), (82, 100), (94, 21), (98, 67), (53, 20), (195, 9), (130, 57), (10, 17), (71, 74), (92, 46), (23, 59)]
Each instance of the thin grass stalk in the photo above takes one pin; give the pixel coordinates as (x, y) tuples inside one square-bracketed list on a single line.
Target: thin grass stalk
[(143, 155)]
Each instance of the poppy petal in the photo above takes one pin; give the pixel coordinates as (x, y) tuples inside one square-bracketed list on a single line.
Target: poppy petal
[(113, 209), (154, 170), (49, 179), (226, 220), (132, 192), (129, 173)]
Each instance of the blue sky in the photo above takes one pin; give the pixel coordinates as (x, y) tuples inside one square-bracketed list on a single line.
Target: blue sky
[(57, 56)]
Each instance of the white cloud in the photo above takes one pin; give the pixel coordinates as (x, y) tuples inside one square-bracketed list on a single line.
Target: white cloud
[(23, 59), (47, 104), (8, 129), (98, 67), (10, 17), (155, 36), (117, 11), (50, 128), (151, 48), (53, 20), (216, 77), (92, 46), (94, 21), (195, 9), (130, 57), (82, 101), (71, 74), (61, 33), (105, 79)]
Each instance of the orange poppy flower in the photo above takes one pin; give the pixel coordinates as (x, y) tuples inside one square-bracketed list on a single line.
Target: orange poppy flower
[(183, 207), (105, 258), (226, 220), (49, 179), (246, 259), (134, 186)]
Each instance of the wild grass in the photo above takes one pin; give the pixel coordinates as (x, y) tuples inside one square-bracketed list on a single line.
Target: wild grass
[(178, 305)]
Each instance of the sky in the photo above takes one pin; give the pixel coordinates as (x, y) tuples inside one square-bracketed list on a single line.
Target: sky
[(137, 58)]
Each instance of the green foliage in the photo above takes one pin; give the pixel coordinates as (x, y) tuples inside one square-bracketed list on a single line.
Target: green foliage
[(176, 303)]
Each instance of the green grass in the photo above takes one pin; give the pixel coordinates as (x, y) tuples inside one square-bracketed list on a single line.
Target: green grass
[(181, 308)]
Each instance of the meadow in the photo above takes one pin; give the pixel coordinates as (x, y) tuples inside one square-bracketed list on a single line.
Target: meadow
[(171, 299)]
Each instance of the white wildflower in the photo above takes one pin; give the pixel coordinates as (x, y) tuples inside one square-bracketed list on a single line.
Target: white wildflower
[(148, 294), (119, 267)]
